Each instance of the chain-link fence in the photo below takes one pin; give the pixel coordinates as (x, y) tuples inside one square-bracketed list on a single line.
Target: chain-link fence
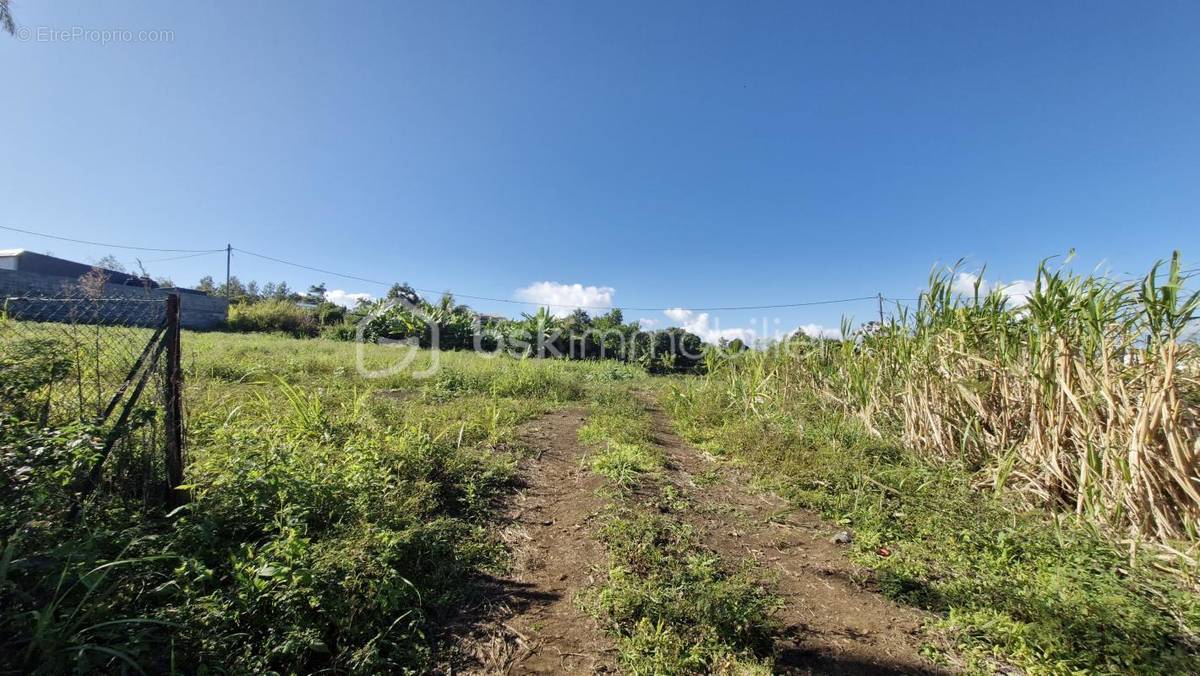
[(106, 371)]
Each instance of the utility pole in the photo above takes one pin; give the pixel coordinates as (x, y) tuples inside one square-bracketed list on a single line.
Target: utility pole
[(228, 256), (881, 310)]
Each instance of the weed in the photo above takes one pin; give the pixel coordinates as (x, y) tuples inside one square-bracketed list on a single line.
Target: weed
[(625, 464), (673, 606), (330, 526), (1049, 595)]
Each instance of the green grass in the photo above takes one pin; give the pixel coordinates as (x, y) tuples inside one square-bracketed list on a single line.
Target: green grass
[(335, 520), (625, 464), (618, 428), (617, 414), (675, 607), (672, 605), (1051, 596)]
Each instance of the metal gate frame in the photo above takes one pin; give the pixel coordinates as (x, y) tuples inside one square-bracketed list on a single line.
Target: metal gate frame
[(164, 340)]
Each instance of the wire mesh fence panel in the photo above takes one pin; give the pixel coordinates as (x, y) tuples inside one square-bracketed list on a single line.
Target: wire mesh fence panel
[(98, 368)]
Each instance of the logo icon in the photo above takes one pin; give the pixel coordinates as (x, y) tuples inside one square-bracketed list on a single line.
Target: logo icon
[(401, 326)]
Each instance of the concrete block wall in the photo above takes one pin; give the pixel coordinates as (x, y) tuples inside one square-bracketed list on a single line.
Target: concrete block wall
[(197, 311)]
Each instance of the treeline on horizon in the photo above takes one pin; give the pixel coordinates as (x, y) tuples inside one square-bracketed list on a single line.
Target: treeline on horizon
[(403, 314)]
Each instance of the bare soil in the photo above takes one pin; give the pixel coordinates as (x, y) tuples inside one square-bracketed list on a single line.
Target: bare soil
[(528, 623), (834, 623)]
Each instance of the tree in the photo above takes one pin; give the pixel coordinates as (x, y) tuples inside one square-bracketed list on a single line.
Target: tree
[(233, 290), (540, 334), (6, 18), (110, 262), (611, 336), (613, 317), (207, 285), (672, 349), (403, 292), (316, 292), (577, 325), (734, 346)]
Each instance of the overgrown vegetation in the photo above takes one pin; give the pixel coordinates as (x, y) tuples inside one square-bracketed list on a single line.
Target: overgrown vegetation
[(1028, 473), (333, 520), (672, 605), (270, 316), (675, 607), (1082, 399), (403, 315), (999, 465), (542, 334)]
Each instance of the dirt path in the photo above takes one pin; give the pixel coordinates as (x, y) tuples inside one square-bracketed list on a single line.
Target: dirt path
[(528, 622), (834, 623)]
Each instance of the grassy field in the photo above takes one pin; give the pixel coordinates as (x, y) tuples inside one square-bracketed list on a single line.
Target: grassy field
[(335, 521)]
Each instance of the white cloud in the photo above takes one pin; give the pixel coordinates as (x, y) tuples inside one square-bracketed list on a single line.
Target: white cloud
[(1017, 291), (561, 299), (678, 314), (964, 284), (819, 331), (647, 323), (710, 332), (346, 298)]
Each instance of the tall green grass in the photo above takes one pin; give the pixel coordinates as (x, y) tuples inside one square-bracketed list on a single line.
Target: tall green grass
[(1030, 470), (1084, 399)]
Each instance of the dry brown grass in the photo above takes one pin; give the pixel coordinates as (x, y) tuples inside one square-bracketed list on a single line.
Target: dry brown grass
[(1084, 399)]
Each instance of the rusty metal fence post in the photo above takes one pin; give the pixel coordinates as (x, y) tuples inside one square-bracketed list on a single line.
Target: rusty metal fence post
[(174, 405)]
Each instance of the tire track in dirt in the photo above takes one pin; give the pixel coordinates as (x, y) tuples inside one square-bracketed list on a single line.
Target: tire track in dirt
[(527, 621), (834, 624)]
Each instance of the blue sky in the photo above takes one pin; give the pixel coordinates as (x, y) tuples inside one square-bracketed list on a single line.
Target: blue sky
[(680, 154)]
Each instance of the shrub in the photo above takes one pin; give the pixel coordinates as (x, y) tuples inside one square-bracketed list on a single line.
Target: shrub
[(272, 316), (329, 314)]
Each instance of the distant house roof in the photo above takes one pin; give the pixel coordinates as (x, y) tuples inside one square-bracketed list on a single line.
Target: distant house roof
[(30, 261)]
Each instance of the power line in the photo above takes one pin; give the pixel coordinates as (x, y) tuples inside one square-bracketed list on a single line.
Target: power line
[(179, 258), (758, 307), (192, 253), (311, 268), (104, 244), (562, 305)]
